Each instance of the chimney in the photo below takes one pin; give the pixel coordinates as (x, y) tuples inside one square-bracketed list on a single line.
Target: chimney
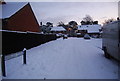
[(40, 23), (2, 2)]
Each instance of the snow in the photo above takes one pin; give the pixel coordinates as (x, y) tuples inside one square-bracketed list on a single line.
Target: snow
[(22, 32), (10, 8), (60, 28), (90, 28), (72, 58), (12, 31)]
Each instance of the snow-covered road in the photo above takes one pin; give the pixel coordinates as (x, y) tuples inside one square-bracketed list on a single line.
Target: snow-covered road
[(72, 58)]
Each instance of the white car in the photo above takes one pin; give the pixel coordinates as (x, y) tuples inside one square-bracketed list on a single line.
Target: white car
[(86, 36), (65, 36)]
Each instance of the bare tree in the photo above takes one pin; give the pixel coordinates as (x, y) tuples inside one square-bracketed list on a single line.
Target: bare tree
[(108, 21), (72, 27), (60, 23), (88, 18), (46, 28), (49, 24)]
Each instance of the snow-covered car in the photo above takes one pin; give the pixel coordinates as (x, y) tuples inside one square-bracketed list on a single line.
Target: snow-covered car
[(65, 36), (86, 36), (78, 34), (111, 40)]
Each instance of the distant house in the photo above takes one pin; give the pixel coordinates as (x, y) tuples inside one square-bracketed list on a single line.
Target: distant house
[(92, 30), (19, 16), (59, 29)]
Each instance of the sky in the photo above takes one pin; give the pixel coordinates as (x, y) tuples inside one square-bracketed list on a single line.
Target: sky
[(53, 11)]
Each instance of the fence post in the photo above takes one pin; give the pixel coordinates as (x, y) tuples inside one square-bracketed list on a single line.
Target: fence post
[(3, 66), (24, 56)]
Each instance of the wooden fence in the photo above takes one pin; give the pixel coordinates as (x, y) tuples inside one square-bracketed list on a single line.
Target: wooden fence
[(16, 41)]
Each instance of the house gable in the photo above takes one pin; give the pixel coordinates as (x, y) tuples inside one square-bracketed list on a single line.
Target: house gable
[(11, 8), (90, 28), (23, 20)]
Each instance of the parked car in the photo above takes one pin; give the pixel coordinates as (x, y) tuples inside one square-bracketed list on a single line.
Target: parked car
[(86, 36), (79, 35), (59, 35), (111, 40), (65, 36)]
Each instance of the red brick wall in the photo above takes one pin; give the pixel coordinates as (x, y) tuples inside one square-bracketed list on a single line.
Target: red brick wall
[(23, 20)]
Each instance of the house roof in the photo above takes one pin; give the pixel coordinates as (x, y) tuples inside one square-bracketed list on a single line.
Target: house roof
[(90, 28), (60, 28), (10, 8)]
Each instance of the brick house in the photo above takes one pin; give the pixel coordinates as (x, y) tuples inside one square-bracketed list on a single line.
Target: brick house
[(19, 16)]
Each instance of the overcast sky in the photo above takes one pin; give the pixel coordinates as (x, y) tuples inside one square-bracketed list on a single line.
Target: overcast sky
[(67, 11)]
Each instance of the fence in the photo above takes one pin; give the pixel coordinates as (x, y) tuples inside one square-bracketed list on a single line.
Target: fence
[(15, 41)]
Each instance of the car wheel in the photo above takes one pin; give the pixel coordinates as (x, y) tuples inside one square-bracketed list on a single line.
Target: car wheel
[(107, 55)]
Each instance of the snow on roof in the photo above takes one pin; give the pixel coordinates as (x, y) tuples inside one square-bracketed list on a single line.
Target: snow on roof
[(11, 8), (90, 28), (60, 28)]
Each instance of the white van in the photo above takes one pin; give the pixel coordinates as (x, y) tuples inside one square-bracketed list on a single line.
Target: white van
[(111, 40)]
